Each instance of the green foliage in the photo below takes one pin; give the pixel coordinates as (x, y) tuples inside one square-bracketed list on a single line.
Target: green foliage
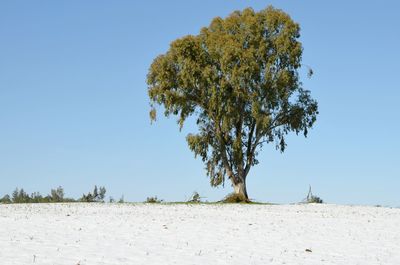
[(102, 194), (6, 199), (95, 192), (315, 199), (69, 200), (153, 200), (20, 196), (312, 198), (97, 195), (36, 197), (239, 79), (121, 200), (87, 198), (57, 195)]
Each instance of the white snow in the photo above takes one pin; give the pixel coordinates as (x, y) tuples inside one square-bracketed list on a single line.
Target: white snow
[(78, 233)]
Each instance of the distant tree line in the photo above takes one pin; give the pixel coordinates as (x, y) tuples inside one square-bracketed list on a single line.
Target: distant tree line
[(98, 195), (56, 195)]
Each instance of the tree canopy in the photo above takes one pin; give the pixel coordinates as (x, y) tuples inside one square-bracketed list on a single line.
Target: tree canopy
[(239, 78)]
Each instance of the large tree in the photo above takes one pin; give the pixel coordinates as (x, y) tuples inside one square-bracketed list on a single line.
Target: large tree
[(239, 78)]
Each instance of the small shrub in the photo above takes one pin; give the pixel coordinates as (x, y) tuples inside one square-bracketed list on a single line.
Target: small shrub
[(311, 198), (121, 200), (46, 199), (36, 197), (5, 199), (69, 200), (57, 195), (94, 196), (315, 199), (87, 198), (153, 200), (102, 194), (20, 196), (195, 198), (235, 198)]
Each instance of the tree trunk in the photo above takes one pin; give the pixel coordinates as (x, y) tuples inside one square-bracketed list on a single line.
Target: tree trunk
[(239, 188)]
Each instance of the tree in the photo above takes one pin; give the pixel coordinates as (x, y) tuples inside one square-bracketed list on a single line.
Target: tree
[(6, 199), (57, 195), (239, 78), (87, 198), (36, 197), (14, 196), (95, 192), (98, 195), (20, 196), (102, 194)]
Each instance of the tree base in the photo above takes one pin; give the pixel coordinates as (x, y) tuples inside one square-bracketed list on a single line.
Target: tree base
[(235, 198)]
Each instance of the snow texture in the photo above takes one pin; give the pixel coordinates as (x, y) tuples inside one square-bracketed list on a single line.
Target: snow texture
[(79, 233)]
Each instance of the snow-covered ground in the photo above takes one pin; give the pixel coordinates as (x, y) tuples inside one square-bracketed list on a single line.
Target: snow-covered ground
[(157, 234)]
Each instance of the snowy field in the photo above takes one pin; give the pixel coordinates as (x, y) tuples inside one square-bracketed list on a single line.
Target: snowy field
[(198, 234)]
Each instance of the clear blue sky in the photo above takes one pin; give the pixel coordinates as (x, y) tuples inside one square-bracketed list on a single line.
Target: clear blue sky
[(74, 105)]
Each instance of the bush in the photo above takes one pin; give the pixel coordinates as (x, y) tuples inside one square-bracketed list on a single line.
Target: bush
[(69, 200), (57, 195), (6, 199), (315, 199), (96, 196), (36, 197), (20, 196), (153, 200), (311, 198), (195, 198), (235, 198)]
